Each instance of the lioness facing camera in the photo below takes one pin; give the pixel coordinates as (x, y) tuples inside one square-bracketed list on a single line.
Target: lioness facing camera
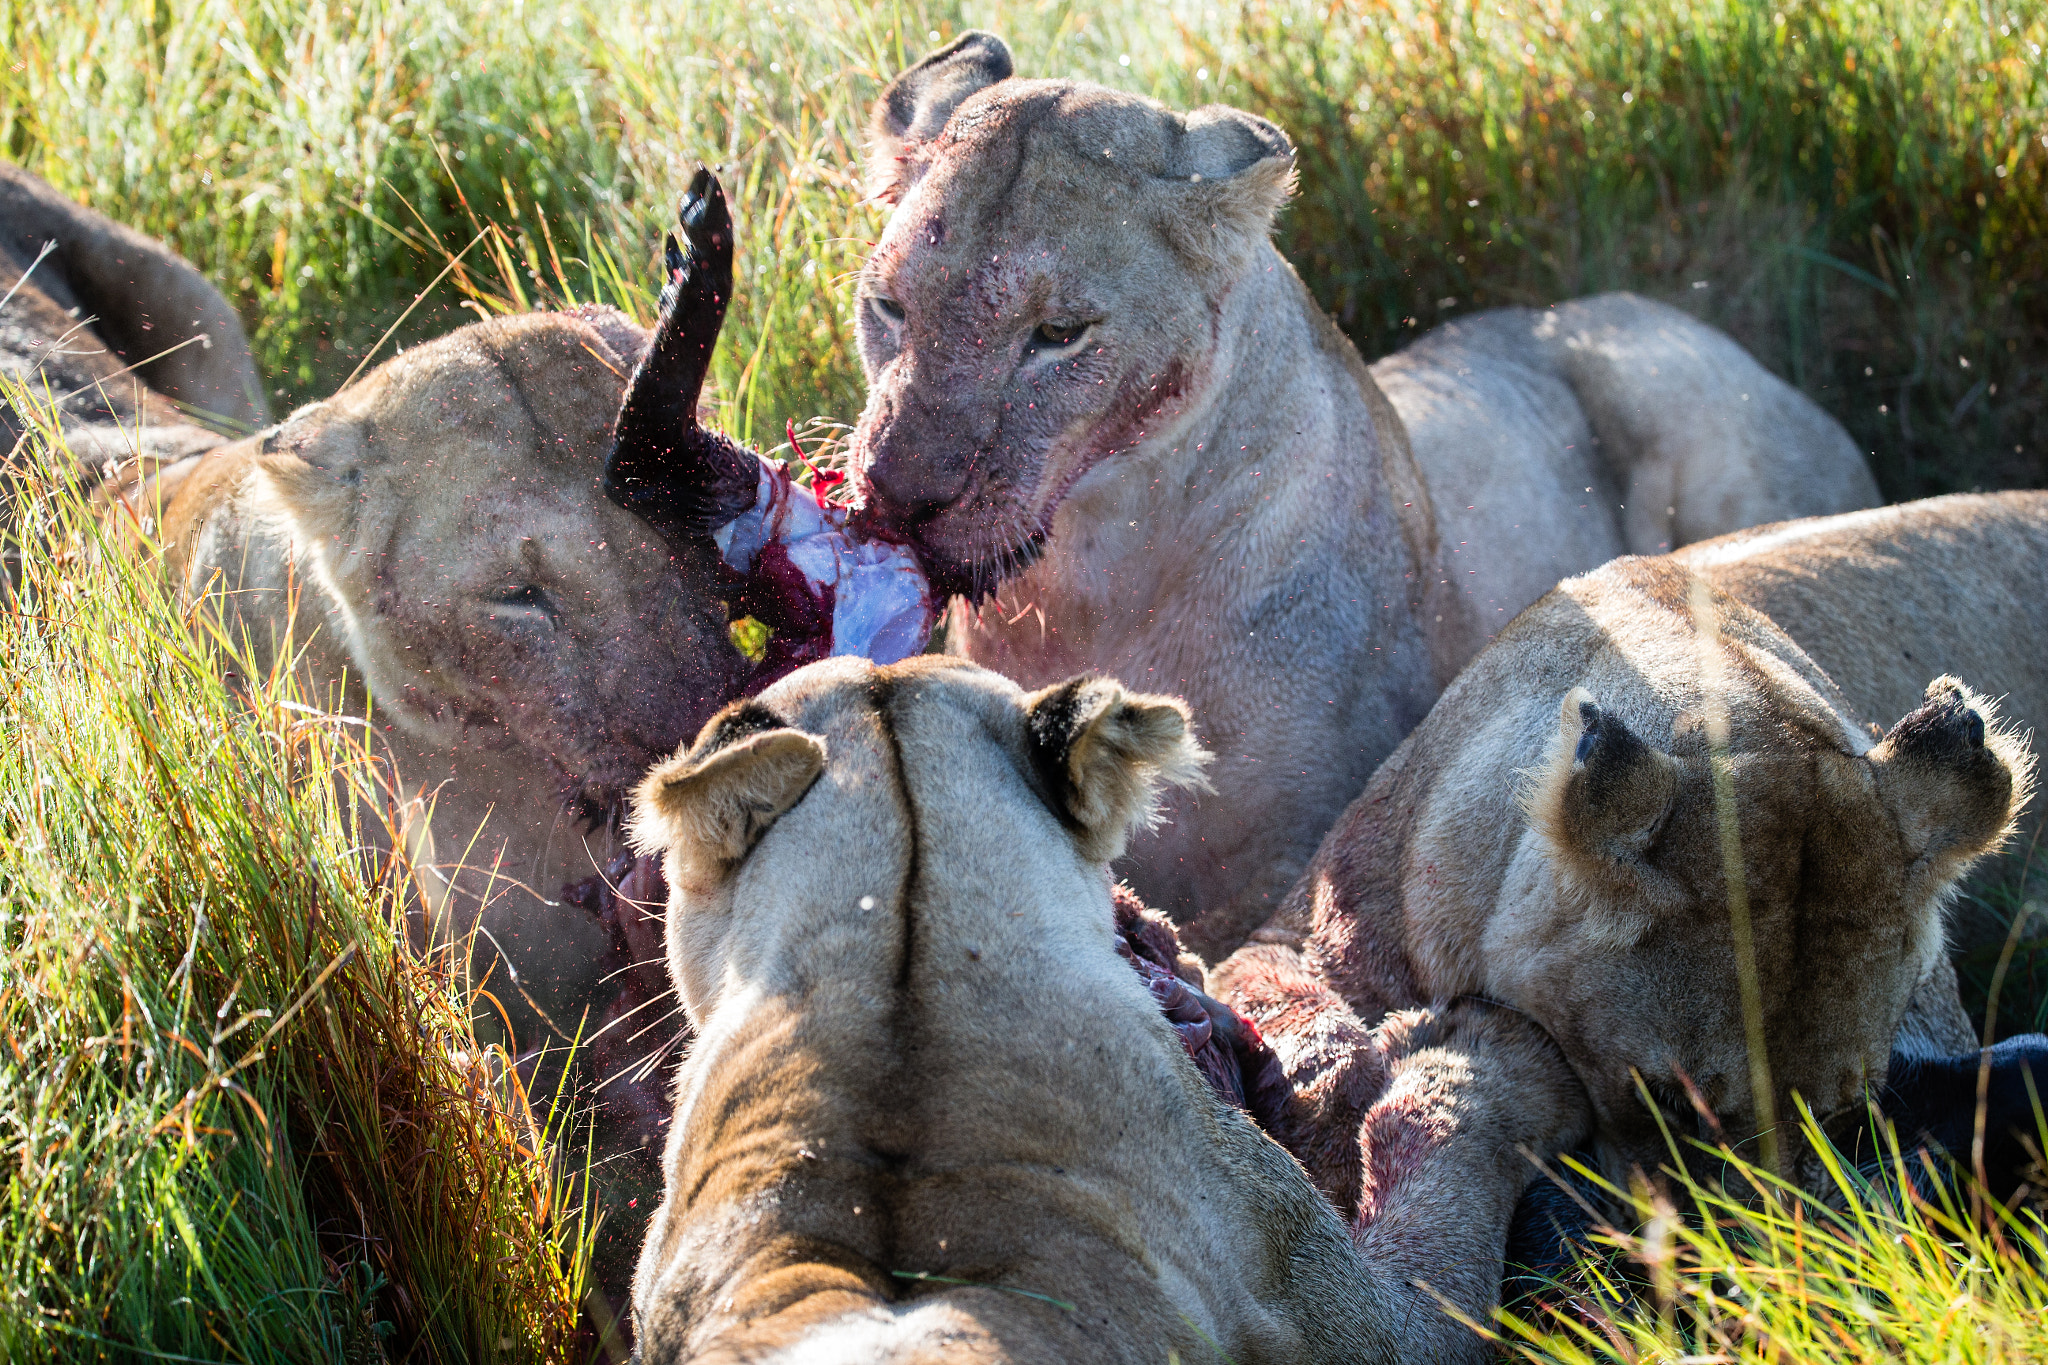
[(1551, 836), (931, 1114), (1094, 380)]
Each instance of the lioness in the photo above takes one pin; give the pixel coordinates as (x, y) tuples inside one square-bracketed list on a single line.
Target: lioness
[(1091, 373), (116, 331), (526, 646), (931, 1115), (1552, 836)]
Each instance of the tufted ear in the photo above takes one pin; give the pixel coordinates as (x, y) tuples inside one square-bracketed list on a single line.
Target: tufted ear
[(1953, 778), (917, 104), (1234, 171), (709, 809), (1601, 798), (1103, 754)]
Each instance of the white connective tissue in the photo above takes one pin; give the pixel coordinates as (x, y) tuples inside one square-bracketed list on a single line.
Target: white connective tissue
[(880, 605)]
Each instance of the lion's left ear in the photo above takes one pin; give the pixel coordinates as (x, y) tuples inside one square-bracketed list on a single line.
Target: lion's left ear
[(1103, 753), (1602, 795), (709, 809), (1231, 172)]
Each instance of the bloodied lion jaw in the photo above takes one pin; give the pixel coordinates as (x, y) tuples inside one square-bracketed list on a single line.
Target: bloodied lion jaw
[(1045, 295), (448, 508)]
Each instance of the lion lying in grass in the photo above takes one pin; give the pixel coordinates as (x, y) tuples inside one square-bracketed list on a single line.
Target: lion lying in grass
[(525, 646), (1558, 834), (1095, 385), (931, 1114), (116, 332), (530, 646)]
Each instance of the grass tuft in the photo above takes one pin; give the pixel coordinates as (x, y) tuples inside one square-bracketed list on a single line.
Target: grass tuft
[(1757, 1271), (242, 1118)]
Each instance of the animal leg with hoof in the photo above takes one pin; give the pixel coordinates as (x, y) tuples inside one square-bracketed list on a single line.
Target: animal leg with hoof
[(664, 466)]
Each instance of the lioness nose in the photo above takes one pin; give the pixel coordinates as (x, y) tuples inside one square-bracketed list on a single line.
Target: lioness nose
[(910, 486)]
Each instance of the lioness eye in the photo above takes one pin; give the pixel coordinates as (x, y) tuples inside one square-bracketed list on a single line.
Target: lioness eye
[(889, 310), (1052, 333)]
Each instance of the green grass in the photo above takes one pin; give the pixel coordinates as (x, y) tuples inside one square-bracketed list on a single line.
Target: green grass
[(240, 1118), (1861, 187), (1754, 1272), (1856, 189)]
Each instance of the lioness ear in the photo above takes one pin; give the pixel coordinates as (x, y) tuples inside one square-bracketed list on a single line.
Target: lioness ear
[(917, 104), (1103, 753), (1234, 171), (1602, 796), (710, 809), (309, 474), (1954, 779)]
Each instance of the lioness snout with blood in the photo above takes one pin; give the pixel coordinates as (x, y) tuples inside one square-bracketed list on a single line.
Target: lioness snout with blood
[(1552, 836), (931, 1114), (1104, 409)]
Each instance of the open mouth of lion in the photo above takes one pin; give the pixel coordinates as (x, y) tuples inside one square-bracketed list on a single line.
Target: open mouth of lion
[(963, 554)]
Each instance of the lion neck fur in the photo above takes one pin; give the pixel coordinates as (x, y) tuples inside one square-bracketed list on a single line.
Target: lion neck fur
[(926, 1057)]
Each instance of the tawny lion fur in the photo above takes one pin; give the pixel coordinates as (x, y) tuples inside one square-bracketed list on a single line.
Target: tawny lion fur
[(930, 1114), (1098, 392), (525, 646), (437, 541), (1550, 836)]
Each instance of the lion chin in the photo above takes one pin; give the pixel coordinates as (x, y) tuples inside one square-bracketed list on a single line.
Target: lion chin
[(968, 554)]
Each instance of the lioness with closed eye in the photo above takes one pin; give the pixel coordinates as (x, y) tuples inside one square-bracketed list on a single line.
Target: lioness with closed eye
[(931, 1114)]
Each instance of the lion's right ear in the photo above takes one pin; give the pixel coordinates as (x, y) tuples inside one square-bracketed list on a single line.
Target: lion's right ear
[(1954, 777), (1103, 753), (310, 471), (917, 104), (1603, 794), (710, 809)]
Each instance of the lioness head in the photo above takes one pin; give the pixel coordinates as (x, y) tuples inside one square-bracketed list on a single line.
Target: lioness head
[(890, 923), (1756, 814), (1045, 294), (450, 508)]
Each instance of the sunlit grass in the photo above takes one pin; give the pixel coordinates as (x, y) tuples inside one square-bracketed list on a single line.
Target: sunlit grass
[(241, 1118), (1754, 1270), (1857, 188)]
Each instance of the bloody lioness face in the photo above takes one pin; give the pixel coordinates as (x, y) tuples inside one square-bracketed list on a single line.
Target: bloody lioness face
[(496, 597), (1044, 297), (1844, 859)]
